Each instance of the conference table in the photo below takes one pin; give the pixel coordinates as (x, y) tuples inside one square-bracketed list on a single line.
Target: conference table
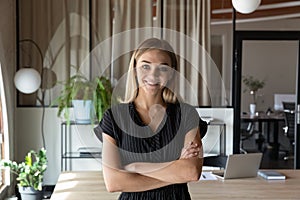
[(90, 186), (272, 119)]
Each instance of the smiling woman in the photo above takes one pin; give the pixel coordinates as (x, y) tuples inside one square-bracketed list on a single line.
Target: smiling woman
[(151, 143)]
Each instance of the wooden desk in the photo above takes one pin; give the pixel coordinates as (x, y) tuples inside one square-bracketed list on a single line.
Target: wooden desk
[(90, 186), (268, 119)]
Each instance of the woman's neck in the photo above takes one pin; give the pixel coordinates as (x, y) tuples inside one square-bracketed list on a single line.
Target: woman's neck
[(151, 110), (146, 103)]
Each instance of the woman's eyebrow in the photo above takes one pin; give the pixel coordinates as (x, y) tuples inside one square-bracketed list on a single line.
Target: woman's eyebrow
[(145, 61), (164, 64)]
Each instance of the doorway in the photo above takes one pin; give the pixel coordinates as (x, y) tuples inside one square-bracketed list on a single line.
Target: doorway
[(244, 39)]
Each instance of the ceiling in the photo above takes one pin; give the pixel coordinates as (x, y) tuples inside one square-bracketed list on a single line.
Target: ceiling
[(221, 11)]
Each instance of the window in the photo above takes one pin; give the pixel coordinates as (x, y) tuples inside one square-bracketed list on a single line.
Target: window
[(4, 176)]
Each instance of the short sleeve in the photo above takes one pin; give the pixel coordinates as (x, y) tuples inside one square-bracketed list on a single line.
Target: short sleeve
[(203, 127), (105, 125), (192, 120)]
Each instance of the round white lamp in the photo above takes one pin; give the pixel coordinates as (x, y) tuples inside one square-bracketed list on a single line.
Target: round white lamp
[(27, 80), (245, 6)]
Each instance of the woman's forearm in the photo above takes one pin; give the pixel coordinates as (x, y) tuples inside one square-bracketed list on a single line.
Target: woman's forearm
[(117, 180), (178, 171)]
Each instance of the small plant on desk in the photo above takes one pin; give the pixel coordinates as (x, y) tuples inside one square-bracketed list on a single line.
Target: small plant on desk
[(253, 85)]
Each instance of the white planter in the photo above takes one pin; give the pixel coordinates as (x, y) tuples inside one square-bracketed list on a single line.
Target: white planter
[(252, 108), (83, 111)]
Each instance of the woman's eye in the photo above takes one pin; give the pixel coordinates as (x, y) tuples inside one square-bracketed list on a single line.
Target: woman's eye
[(164, 68), (146, 66)]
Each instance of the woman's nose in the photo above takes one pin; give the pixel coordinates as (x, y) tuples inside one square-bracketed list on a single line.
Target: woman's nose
[(155, 72)]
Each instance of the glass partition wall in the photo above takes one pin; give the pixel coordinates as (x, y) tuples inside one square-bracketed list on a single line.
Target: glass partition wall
[(285, 80)]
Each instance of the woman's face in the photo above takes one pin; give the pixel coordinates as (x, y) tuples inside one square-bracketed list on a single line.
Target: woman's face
[(153, 71)]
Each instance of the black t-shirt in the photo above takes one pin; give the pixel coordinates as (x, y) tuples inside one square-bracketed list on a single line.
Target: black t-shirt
[(138, 143)]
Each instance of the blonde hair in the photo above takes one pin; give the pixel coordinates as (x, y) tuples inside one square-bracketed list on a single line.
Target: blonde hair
[(168, 94)]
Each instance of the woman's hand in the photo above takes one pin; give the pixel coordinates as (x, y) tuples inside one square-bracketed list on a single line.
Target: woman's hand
[(190, 150), (130, 167)]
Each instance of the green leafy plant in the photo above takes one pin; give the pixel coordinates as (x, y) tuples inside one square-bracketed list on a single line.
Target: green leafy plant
[(30, 172), (253, 85), (99, 90)]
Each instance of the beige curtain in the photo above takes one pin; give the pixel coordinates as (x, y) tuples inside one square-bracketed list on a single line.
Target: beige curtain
[(132, 19), (188, 30), (101, 27), (61, 30), (116, 31)]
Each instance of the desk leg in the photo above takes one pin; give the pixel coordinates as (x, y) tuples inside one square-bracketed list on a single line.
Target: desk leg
[(276, 144), (61, 147), (223, 140), (260, 140)]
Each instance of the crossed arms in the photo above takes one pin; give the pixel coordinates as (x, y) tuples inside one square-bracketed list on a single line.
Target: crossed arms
[(141, 176)]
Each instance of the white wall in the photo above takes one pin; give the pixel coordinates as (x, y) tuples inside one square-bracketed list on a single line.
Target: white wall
[(28, 127), (211, 141), (275, 62)]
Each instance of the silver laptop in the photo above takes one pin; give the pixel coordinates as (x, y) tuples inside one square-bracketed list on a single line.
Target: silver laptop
[(241, 166)]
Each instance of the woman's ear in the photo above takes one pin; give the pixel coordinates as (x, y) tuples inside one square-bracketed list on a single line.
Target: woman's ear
[(134, 67), (136, 81), (171, 75)]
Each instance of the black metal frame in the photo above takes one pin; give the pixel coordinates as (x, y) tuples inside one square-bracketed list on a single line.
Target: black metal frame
[(239, 37)]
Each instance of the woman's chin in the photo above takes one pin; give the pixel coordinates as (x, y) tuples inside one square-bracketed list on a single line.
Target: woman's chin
[(152, 90)]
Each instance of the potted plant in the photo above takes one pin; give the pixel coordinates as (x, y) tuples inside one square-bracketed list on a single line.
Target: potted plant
[(29, 173), (253, 85), (92, 95)]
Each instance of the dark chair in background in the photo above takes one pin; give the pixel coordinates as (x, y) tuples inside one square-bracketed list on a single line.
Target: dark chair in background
[(289, 128), (215, 161), (248, 132)]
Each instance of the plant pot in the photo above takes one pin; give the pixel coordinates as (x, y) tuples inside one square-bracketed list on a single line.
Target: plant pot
[(252, 108), (28, 193), (83, 111)]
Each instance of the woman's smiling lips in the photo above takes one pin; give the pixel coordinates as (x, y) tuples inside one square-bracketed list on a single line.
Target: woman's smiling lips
[(151, 83)]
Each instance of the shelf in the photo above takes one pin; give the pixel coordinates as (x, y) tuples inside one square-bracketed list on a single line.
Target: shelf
[(72, 122), (81, 155)]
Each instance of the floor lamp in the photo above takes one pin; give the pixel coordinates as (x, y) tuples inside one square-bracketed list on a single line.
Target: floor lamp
[(28, 80), (246, 6)]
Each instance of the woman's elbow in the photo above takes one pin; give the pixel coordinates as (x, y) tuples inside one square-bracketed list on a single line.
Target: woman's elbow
[(196, 175), (112, 187), (194, 171), (112, 183)]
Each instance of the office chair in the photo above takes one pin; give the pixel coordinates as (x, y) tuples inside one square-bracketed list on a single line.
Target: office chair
[(248, 131), (215, 161), (289, 128)]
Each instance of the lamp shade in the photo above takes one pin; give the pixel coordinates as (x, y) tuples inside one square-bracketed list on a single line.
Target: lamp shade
[(245, 6), (27, 80)]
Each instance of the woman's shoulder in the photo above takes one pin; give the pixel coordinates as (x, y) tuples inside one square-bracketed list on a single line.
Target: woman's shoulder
[(182, 106), (119, 109), (119, 106)]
